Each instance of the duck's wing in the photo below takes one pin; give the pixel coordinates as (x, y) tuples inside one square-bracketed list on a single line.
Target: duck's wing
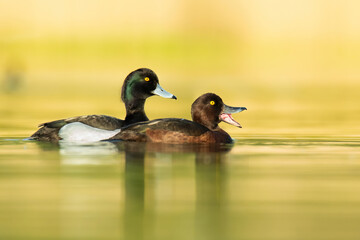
[(170, 127), (49, 131), (97, 121)]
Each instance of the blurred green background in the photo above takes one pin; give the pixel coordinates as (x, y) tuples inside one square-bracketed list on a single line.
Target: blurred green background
[(293, 64)]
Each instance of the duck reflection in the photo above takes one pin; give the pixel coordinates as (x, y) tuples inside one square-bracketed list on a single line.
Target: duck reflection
[(210, 195), (134, 177), (151, 147), (209, 185), (140, 189), (96, 153)]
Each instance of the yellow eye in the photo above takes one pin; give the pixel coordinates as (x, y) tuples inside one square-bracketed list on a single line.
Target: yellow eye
[(147, 79), (212, 103)]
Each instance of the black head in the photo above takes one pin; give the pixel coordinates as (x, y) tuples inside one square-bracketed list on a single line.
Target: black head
[(209, 110), (141, 84)]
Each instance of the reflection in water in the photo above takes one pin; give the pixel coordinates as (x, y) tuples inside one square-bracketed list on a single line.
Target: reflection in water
[(134, 190), (209, 187), (138, 221), (97, 153), (210, 192), (266, 188), (173, 148)]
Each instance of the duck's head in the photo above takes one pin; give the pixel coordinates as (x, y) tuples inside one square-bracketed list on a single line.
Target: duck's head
[(209, 110), (141, 84)]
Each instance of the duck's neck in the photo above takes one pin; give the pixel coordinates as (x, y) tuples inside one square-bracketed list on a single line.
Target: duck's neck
[(135, 111)]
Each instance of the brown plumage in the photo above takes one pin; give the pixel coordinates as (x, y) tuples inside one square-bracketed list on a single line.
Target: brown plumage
[(207, 111)]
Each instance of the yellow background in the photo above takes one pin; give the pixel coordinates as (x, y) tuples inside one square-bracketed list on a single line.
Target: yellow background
[(293, 64)]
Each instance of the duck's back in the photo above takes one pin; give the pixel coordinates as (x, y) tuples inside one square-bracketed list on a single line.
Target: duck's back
[(50, 131), (171, 130)]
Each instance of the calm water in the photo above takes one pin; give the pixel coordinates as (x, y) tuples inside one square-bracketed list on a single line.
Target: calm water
[(262, 187)]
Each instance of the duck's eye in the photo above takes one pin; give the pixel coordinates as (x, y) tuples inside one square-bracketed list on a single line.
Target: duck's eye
[(212, 102), (147, 79)]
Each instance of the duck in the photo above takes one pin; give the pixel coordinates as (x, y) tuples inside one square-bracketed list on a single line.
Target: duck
[(137, 87), (207, 111)]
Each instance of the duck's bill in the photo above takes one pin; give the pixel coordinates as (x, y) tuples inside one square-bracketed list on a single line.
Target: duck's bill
[(162, 93), (225, 116), (231, 110)]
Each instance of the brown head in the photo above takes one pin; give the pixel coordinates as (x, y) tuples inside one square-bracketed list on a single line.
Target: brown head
[(209, 110)]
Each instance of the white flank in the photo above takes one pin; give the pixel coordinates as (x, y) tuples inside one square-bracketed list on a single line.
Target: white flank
[(79, 132)]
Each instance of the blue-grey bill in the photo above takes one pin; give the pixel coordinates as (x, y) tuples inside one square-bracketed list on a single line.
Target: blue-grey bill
[(162, 93), (230, 110), (226, 115)]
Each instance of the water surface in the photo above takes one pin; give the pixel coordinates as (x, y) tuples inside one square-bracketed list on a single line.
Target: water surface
[(262, 187)]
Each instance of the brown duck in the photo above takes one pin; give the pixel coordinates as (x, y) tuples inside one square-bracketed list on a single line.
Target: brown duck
[(207, 112)]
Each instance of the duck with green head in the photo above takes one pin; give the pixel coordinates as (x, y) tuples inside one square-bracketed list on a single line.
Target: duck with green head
[(138, 86)]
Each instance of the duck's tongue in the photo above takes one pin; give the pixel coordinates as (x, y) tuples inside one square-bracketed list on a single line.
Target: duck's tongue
[(226, 117)]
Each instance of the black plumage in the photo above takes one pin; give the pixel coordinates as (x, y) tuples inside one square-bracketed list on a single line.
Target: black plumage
[(138, 86)]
